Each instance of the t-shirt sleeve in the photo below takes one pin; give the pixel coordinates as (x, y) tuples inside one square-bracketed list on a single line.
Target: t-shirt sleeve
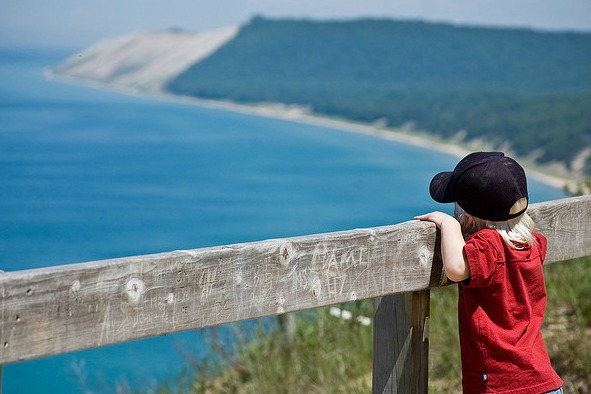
[(482, 257)]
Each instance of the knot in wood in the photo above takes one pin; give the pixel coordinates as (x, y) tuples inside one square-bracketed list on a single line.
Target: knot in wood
[(425, 256), (285, 254), (134, 288), (75, 287)]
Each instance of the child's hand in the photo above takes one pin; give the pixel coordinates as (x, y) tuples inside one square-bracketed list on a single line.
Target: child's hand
[(452, 245), (436, 217)]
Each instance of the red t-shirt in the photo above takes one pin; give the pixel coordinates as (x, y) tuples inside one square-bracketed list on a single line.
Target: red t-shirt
[(501, 310)]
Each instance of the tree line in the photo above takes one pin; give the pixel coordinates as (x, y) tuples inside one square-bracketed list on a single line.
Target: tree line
[(529, 90)]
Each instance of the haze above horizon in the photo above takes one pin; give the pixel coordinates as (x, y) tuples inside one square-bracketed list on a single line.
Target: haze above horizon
[(75, 24)]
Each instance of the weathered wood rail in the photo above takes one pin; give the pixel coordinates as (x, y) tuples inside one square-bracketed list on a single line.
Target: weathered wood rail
[(61, 309)]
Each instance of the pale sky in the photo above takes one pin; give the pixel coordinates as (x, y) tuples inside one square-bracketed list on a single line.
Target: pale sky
[(79, 23)]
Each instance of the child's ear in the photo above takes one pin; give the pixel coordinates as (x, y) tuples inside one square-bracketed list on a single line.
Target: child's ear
[(469, 220), (469, 224)]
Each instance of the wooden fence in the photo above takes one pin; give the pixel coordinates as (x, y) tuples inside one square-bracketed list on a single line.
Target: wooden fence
[(65, 308)]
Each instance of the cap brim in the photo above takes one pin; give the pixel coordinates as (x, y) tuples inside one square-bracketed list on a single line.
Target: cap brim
[(441, 187)]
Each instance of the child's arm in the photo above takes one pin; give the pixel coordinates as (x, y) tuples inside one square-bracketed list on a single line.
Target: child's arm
[(452, 245)]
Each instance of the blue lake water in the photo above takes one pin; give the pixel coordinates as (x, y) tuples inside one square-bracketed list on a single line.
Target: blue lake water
[(89, 174)]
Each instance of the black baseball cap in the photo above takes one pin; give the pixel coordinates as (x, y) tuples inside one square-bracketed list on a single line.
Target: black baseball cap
[(484, 184)]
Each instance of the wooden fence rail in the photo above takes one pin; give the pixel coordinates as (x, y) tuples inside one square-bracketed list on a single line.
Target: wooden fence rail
[(60, 309)]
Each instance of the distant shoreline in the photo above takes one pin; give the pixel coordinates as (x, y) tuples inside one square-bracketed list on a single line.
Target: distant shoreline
[(400, 135), (421, 140), (300, 114)]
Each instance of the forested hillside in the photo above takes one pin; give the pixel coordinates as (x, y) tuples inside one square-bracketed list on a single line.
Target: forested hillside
[(526, 88)]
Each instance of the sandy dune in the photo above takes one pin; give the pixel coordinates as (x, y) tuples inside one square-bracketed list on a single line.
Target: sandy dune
[(143, 61)]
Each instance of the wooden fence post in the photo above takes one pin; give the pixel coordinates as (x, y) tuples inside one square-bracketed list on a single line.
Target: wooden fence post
[(401, 343)]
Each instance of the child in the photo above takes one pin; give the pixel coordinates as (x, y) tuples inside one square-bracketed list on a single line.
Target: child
[(502, 295)]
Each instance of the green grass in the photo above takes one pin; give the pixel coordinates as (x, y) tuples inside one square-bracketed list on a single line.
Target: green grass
[(445, 370), (567, 328), (326, 355)]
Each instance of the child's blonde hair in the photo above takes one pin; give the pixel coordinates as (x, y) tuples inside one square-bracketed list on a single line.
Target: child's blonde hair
[(517, 232)]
